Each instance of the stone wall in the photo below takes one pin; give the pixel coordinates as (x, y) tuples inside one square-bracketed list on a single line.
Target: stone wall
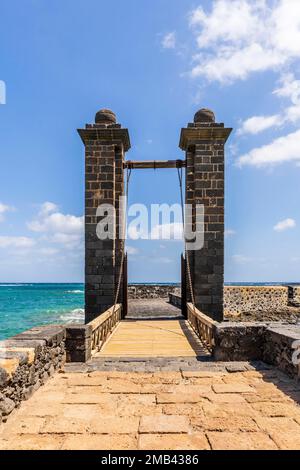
[(204, 144), (175, 299), (239, 341), (245, 299), (145, 291), (105, 145), (78, 342), (280, 346), (294, 295), (240, 299), (275, 344), (27, 360)]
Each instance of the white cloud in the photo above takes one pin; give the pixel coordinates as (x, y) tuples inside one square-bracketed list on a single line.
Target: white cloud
[(137, 232), (132, 250), (168, 231), (172, 231), (58, 228), (282, 149), (68, 240), (290, 89), (3, 209), (48, 208), (54, 252), (229, 232), (169, 41), (48, 251), (241, 259), (285, 224), (257, 124), (239, 37), (16, 242), (163, 260), (57, 222)]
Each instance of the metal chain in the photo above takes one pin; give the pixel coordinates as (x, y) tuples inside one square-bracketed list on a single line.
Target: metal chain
[(128, 174), (179, 171)]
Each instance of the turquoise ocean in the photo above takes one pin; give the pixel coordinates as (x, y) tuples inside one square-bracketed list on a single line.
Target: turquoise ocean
[(23, 306)]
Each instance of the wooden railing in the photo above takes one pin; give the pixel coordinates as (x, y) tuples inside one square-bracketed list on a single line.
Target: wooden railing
[(103, 326), (202, 325)]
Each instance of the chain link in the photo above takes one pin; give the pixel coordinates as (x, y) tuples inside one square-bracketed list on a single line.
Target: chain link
[(187, 258), (128, 174)]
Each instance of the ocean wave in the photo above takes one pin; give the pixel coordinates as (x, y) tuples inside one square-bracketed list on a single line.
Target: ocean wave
[(15, 285), (75, 316), (76, 291)]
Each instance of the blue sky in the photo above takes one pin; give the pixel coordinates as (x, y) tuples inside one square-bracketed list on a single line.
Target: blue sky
[(154, 64)]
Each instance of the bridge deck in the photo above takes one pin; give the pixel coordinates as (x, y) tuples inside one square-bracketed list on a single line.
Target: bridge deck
[(153, 338)]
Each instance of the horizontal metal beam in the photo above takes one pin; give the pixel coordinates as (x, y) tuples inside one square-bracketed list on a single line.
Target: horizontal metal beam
[(154, 164)]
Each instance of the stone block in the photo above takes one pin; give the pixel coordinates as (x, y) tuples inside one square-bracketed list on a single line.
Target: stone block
[(78, 343), (164, 424)]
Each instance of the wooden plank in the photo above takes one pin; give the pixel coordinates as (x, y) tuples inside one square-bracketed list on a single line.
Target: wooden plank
[(152, 338)]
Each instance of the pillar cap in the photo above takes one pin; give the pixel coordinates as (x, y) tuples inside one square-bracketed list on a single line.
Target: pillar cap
[(105, 116), (204, 115), (105, 129), (191, 135)]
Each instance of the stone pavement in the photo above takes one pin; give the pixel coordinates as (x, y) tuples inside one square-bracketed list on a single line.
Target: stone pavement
[(152, 309), (218, 406)]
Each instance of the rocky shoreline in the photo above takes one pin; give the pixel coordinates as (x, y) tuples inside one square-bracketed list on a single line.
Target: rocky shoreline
[(288, 314), (152, 291)]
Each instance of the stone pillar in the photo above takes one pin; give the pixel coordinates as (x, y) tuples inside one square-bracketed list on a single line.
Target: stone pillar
[(105, 145), (204, 141)]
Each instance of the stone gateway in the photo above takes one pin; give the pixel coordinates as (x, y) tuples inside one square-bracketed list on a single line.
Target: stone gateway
[(106, 143)]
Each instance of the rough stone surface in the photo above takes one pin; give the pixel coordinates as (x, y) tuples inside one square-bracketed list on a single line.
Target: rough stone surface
[(105, 116), (204, 115), (257, 303), (148, 291), (294, 295), (105, 145), (276, 344), (239, 341), (78, 343), (280, 348), (175, 299), (239, 299), (204, 144), (154, 308), (27, 361), (121, 410)]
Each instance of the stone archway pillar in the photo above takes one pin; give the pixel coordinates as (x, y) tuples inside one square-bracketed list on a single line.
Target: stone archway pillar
[(105, 145), (204, 141)]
